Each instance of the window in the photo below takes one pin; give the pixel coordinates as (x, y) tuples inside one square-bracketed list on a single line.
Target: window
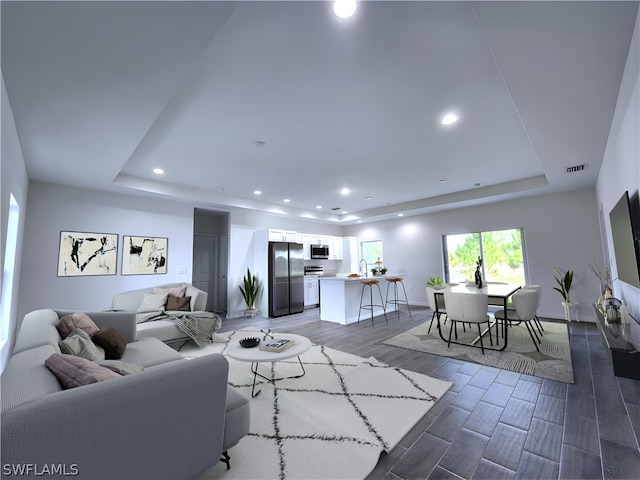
[(371, 252), (501, 252), (9, 267)]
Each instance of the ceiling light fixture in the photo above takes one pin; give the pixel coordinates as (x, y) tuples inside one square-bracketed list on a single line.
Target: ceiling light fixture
[(257, 192), (260, 143), (442, 180), (318, 207), (158, 171), (344, 8), (401, 214), (450, 118), (345, 191), (286, 200)]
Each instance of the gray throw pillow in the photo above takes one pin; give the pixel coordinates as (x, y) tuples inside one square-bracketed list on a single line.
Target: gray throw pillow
[(123, 368), (79, 343)]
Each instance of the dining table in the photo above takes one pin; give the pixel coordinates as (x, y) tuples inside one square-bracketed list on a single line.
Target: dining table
[(498, 295)]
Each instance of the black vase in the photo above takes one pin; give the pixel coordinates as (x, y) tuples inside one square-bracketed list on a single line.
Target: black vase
[(478, 278)]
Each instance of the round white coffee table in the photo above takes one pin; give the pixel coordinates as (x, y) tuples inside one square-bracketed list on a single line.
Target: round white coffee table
[(256, 356)]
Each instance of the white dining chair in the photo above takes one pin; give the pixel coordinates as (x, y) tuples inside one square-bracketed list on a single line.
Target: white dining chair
[(525, 304), (467, 308), (536, 320)]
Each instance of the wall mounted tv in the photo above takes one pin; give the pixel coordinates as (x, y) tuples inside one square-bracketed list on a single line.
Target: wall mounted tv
[(626, 241)]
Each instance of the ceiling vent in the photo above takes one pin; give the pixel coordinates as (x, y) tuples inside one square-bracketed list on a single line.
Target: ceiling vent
[(577, 168)]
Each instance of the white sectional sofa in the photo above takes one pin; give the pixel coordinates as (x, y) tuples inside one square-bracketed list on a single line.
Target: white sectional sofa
[(173, 420), (164, 330)]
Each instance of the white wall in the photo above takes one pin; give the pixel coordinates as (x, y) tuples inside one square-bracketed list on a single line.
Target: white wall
[(559, 230), (54, 208), (620, 169), (13, 180)]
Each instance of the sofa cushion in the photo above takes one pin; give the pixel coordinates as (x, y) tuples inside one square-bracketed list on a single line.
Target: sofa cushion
[(123, 368), (149, 352), (72, 371), (79, 344), (179, 304), (175, 291), (80, 320), (112, 341), (25, 377), (153, 302)]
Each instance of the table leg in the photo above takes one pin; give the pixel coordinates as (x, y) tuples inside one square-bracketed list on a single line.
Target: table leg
[(254, 370)]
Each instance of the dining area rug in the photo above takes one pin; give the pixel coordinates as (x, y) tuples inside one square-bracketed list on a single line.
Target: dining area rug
[(334, 422), (552, 362)]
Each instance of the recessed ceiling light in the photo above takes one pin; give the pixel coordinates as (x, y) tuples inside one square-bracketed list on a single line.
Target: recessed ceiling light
[(318, 207), (344, 191), (477, 184), (286, 200), (401, 214), (368, 198), (344, 8), (442, 180), (344, 211), (257, 192), (450, 118), (158, 171), (260, 143)]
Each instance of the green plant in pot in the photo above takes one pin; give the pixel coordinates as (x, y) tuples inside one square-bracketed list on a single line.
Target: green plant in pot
[(434, 281), (564, 281), (250, 289)]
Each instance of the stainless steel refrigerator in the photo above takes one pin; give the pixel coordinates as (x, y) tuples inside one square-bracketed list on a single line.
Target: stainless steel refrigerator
[(286, 278)]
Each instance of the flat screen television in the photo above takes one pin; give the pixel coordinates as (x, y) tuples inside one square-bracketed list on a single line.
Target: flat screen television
[(625, 244)]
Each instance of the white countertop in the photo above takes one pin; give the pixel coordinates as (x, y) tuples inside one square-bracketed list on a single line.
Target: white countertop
[(345, 278)]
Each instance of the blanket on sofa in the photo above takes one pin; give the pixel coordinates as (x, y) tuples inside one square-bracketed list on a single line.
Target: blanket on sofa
[(200, 326)]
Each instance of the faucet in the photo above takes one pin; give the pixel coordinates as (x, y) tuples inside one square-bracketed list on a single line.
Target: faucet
[(366, 267)]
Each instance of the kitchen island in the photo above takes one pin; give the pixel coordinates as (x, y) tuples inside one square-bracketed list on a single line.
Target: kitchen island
[(340, 299)]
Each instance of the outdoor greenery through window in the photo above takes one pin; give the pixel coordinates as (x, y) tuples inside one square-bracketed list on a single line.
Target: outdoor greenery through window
[(371, 252), (501, 252)]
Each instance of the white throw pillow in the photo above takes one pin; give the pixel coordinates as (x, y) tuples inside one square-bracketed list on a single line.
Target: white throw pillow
[(153, 302)]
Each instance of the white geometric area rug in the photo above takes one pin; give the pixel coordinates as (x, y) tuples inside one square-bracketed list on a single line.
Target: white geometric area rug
[(332, 423)]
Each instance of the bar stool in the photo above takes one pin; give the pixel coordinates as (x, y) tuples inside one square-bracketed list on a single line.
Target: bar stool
[(370, 305), (395, 300)]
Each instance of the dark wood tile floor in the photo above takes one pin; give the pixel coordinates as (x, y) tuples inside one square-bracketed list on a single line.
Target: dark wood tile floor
[(495, 424)]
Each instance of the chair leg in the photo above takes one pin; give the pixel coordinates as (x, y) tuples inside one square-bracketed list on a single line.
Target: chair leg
[(431, 324), (384, 308), (405, 297), (226, 459), (531, 334), (450, 330), (481, 343)]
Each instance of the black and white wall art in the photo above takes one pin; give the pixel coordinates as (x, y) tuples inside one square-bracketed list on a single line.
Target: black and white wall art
[(85, 254), (144, 255)]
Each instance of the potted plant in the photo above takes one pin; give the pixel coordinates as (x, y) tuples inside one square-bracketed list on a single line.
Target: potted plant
[(564, 281), (249, 291), (434, 282)]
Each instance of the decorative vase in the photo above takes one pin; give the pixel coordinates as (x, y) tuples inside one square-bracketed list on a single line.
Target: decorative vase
[(478, 278)]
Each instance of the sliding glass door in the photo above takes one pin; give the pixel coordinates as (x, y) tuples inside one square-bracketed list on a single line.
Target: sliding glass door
[(501, 252)]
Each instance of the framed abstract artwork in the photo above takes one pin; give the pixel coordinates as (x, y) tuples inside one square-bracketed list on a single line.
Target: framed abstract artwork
[(144, 255), (86, 253)]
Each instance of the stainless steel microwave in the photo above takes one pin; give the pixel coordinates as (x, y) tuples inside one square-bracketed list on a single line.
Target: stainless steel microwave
[(319, 251)]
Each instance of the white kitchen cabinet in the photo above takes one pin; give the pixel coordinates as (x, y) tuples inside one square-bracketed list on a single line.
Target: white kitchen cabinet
[(350, 255), (311, 291), (282, 235), (335, 248), (305, 240)]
